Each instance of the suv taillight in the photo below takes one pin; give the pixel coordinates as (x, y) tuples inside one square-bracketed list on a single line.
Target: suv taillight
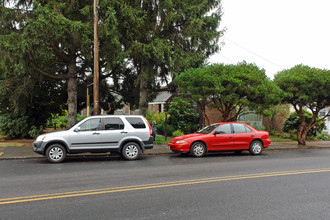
[(150, 129)]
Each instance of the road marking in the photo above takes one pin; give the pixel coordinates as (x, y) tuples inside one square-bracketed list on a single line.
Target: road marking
[(13, 200)]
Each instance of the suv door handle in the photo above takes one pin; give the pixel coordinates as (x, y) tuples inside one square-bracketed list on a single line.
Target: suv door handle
[(95, 133), (124, 132)]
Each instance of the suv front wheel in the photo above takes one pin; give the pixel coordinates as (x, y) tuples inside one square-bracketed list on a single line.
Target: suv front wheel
[(55, 153), (131, 151)]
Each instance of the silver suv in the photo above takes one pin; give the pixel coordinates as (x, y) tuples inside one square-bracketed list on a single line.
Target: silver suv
[(127, 134)]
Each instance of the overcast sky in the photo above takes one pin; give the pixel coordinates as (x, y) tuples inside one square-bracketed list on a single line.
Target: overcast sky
[(276, 34)]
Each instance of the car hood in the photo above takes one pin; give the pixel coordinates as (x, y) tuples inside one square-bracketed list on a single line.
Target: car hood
[(51, 134), (187, 136)]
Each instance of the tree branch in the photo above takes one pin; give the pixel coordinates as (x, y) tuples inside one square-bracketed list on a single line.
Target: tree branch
[(60, 54), (44, 72)]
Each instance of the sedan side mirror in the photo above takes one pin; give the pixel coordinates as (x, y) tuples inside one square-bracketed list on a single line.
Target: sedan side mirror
[(77, 129), (218, 132)]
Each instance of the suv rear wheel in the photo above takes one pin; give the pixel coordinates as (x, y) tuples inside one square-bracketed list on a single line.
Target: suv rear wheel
[(131, 151), (55, 153)]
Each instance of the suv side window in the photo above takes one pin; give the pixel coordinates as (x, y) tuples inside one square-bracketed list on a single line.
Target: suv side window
[(113, 124), (93, 124), (224, 129), (239, 128), (136, 122)]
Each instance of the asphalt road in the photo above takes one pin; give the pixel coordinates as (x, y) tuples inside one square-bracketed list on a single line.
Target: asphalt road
[(275, 185)]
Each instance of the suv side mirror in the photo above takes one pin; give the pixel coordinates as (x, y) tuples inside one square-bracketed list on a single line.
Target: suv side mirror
[(77, 129)]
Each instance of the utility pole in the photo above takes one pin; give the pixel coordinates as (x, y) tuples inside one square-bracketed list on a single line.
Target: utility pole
[(96, 79)]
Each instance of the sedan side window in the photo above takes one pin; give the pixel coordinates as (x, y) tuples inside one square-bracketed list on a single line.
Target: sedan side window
[(224, 129), (91, 125), (240, 128)]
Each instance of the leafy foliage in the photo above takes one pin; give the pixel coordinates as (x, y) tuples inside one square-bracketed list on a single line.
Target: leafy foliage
[(166, 37), (229, 88), (177, 133), (305, 87), (183, 116), (158, 118), (291, 125)]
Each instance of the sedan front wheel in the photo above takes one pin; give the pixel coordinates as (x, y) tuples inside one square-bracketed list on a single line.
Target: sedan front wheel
[(198, 149)]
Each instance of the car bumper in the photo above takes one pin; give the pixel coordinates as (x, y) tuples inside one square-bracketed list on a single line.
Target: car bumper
[(184, 147), (149, 144), (38, 147), (267, 143)]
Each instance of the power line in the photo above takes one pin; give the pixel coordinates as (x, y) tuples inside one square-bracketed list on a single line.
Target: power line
[(269, 61)]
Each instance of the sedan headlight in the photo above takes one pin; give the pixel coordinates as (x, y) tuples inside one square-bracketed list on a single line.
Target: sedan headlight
[(181, 142)]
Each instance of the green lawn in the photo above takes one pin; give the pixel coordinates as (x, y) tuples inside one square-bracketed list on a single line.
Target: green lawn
[(161, 140), (280, 139)]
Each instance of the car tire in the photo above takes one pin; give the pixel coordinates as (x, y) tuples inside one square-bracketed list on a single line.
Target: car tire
[(131, 151), (256, 147), (198, 149), (56, 153)]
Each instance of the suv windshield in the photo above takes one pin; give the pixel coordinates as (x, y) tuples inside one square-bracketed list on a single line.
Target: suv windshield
[(207, 129)]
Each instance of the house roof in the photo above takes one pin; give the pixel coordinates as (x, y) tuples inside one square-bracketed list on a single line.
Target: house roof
[(162, 97)]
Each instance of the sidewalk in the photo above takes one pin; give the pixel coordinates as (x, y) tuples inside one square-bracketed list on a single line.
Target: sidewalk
[(25, 151)]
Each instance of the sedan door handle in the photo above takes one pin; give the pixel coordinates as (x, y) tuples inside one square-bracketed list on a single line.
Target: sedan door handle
[(124, 132), (95, 133), (230, 136), (252, 135)]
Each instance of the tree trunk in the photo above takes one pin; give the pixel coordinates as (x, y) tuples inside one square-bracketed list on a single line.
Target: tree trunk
[(226, 115), (301, 135), (202, 111), (143, 105), (72, 96)]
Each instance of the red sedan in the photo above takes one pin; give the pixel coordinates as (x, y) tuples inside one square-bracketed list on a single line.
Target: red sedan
[(226, 136)]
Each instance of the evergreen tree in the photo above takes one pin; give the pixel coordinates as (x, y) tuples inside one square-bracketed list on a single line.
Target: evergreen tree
[(169, 37)]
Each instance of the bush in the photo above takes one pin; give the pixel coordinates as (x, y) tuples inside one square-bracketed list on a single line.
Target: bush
[(292, 123), (323, 136), (156, 117), (35, 131), (161, 129), (14, 126), (61, 120), (177, 133), (183, 116)]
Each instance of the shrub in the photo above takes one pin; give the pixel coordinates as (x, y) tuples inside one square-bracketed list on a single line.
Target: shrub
[(61, 120), (323, 136), (292, 123), (183, 116), (177, 133), (161, 129), (14, 126), (35, 131), (156, 117)]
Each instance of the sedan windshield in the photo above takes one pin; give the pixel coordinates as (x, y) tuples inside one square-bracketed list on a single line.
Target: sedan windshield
[(207, 129)]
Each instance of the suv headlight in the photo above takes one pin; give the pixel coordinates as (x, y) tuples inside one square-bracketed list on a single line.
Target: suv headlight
[(41, 138)]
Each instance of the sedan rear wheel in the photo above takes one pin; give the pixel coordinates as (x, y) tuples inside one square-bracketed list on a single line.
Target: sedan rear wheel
[(256, 147), (198, 149)]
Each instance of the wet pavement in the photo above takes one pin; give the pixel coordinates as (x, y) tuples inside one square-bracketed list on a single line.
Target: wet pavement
[(25, 151)]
